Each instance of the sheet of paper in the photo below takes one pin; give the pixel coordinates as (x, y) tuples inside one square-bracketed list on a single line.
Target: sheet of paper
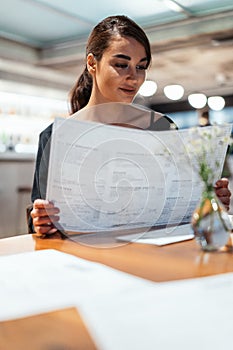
[(104, 177), (46, 280), (192, 314), (161, 237), (119, 310)]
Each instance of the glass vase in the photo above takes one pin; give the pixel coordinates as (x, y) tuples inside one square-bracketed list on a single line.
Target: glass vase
[(211, 223)]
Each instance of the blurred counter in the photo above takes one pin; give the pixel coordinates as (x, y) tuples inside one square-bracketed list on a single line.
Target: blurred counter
[(17, 156), (16, 178)]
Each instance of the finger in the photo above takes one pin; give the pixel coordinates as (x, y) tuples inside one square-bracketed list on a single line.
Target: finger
[(45, 220), (224, 182), (43, 203), (53, 230), (44, 212), (225, 200), (223, 192), (44, 230), (227, 207)]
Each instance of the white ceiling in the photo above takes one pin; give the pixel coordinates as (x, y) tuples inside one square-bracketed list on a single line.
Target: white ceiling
[(42, 42)]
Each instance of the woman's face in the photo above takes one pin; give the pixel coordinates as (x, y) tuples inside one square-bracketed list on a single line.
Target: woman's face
[(119, 74)]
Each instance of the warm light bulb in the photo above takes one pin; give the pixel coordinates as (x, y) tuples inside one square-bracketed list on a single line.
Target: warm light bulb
[(148, 88), (216, 103), (197, 100), (174, 92)]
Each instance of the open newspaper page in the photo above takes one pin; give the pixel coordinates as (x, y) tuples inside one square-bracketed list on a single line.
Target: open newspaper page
[(105, 177)]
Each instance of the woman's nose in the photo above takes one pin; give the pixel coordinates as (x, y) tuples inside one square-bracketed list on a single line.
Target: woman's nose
[(132, 73)]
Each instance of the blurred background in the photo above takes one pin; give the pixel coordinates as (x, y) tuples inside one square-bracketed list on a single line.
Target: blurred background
[(42, 52)]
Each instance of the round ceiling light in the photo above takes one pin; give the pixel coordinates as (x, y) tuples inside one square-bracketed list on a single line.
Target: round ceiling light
[(174, 92), (197, 100), (217, 103), (148, 88)]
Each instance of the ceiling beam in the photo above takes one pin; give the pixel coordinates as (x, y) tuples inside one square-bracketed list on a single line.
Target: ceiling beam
[(177, 7), (18, 52), (190, 27), (27, 73), (74, 50)]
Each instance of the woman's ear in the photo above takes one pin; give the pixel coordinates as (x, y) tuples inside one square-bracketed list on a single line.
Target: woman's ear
[(91, 63)]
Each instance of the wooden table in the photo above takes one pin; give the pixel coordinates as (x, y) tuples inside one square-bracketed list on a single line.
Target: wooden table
[(65, 329)]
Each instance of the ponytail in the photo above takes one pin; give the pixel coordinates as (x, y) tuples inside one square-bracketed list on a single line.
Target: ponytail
[(81, 92)]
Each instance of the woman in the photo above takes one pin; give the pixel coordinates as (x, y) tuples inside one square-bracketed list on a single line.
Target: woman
[(117, 56)]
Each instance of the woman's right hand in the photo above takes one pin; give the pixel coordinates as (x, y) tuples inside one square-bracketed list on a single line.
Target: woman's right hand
[(44, 215)]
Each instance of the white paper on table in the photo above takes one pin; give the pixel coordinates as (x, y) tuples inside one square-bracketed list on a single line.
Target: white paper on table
[(192, 314), (104, 177), (161, 237), (119, 310), (46, 280)]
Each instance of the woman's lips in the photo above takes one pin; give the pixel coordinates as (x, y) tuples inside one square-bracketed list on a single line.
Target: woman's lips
[(128, 90)]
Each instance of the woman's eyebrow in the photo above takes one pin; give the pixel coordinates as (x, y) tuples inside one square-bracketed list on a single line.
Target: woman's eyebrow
[(120, 55)]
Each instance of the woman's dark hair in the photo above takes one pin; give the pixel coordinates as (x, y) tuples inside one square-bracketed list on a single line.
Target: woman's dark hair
[(98, 42)]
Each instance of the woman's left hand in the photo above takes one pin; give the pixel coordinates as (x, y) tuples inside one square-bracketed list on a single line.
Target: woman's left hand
[(222, 191)]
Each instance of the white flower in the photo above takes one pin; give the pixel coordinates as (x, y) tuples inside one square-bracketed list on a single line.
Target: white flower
[(201, 147)]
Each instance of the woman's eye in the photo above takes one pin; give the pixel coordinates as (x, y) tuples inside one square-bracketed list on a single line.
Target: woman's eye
[(122, 65), (126, 66), (141, 67)]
